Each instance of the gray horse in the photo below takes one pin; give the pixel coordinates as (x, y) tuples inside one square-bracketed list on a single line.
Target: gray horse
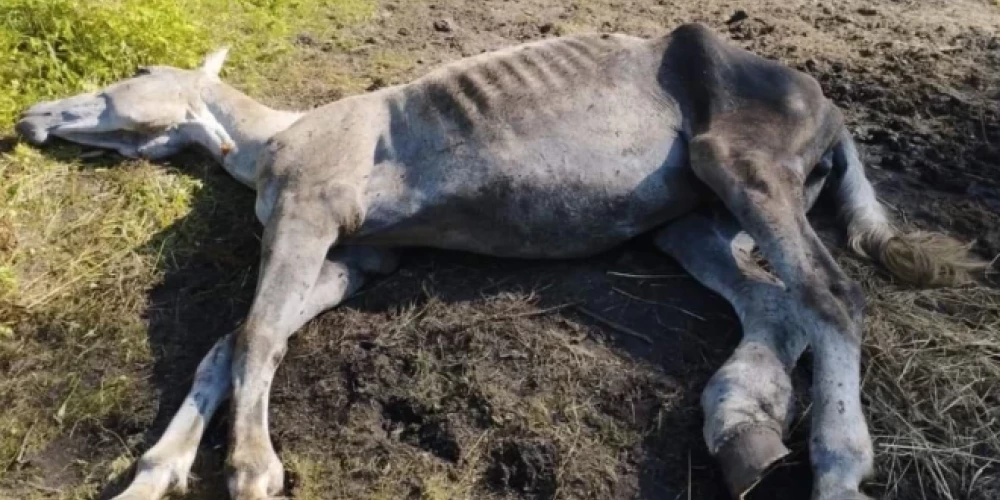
[(555, 149)]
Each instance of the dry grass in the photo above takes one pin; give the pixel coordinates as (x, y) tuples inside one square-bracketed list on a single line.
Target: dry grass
[(74, 290), (932, 367)]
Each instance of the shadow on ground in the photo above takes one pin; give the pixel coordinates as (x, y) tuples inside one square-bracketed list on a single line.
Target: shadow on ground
[(460, 373)]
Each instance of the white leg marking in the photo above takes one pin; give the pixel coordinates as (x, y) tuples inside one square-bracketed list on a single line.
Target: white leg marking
[(164, 468)]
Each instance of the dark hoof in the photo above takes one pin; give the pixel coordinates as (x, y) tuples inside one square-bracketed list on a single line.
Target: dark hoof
[(844, 495), (748, 455)]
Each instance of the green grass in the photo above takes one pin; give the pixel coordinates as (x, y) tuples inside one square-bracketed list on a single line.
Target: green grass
[(82, 243), (57, 47)]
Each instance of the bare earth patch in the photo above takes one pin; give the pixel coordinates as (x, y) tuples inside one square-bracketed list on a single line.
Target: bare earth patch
[(467, 377)]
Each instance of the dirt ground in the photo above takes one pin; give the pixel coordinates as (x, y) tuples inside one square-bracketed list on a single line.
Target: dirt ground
[(468, 377)]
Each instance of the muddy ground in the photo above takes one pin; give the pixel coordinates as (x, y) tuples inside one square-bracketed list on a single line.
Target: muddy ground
[(468, 377)]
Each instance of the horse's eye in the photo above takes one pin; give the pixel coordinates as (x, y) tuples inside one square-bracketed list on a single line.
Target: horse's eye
[(143, 70)]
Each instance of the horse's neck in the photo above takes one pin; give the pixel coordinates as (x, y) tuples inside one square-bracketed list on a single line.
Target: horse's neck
[(249, 123)]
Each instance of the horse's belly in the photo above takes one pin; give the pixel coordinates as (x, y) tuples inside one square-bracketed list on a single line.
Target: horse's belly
[(562, 231), (533, 218)]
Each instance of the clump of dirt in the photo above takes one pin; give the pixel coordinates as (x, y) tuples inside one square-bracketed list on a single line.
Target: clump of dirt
[(527, 467), (743, 27), (417, 426)]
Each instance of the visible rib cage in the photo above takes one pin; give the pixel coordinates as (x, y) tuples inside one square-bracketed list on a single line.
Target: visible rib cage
[(484, 86)]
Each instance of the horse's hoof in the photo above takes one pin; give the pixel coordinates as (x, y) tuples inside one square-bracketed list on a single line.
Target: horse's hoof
[(748, 455), (843, 495)]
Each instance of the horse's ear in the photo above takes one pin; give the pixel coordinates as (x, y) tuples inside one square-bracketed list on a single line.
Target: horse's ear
[(214, 61)]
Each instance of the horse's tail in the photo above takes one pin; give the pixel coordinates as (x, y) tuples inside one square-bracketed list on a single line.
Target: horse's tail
[(920, 258)]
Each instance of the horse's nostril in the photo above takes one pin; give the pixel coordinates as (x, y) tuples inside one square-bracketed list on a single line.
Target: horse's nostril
[(31, 131)]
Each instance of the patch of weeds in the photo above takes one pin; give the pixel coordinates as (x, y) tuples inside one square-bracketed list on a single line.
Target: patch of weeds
[(59, 47), (52, 47)]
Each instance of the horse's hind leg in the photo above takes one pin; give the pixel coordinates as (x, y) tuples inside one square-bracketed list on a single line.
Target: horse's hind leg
[(748, 402)]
